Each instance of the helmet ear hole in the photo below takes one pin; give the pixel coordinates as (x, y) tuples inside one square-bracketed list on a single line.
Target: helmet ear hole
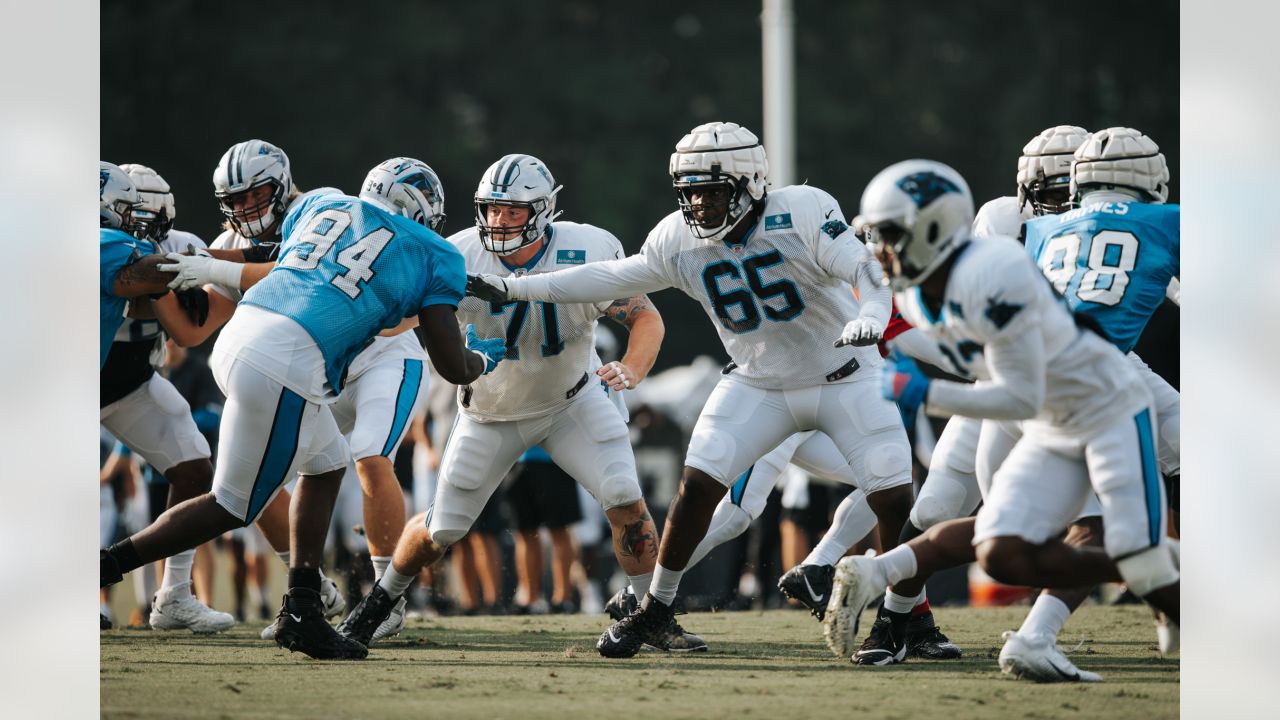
[(933, 232)]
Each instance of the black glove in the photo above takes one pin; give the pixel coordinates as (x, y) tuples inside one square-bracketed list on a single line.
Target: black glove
[(195, 303)]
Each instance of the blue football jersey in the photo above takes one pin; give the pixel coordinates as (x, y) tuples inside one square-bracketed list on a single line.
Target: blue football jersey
[(348, 270), (117, 249), (1112, 262)]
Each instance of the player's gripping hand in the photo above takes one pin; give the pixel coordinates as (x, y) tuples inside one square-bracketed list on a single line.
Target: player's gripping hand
[(861, 331), (903, 383), (196, 271), (489, 288), (618, 376), (492, 350)]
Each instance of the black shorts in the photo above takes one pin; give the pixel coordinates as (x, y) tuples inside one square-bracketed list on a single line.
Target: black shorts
[(491, 520), (542, 495)]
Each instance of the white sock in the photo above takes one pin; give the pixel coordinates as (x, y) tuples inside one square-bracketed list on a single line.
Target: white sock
[(853, 520), (664, 585), (394, 583), (284, 557), (728, 522), (177, 574), (893, 602), (897, 565), (1047, 617), (640, 584), (380, 565)]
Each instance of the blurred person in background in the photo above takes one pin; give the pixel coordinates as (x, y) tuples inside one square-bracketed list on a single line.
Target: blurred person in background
[(541, 495)]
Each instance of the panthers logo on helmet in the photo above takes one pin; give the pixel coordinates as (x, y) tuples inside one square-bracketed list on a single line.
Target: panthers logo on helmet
[(102, 183), (925, 187)]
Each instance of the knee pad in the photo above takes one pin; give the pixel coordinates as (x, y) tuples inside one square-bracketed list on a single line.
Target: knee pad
[(941, 499), (444, 538), (887, 465), (1148, 570)]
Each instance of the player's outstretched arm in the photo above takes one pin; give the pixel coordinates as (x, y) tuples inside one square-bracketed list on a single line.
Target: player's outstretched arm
[(593, 282), (142, 277), (1015, 391), (645, 332), (449, 356)]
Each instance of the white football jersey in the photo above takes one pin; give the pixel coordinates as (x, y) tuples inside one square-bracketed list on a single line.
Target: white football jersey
[(1002, 216), (772, 299), (550, 346), (995, 291)]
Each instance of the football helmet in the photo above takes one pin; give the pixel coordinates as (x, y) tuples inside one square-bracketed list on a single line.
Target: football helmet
[(914, 214), (1121, 157), (154, 216), (1044, 170), (516, 181), (718, 155), (407, 187), (117, 197), (248, 165)]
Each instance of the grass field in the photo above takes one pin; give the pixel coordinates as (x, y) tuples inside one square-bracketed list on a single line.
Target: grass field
[(765, 665)]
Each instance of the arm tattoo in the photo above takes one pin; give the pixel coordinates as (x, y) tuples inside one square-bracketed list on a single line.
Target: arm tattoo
[(624, 312), (142, 277), (636, 542)]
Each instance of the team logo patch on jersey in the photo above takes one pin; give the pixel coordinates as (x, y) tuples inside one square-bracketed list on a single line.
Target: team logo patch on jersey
[(1000, 312), (834, 228), (571, 257), (925, 187), (777, 222)]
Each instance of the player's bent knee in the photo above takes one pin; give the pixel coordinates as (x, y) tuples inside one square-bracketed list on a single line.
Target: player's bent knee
[(888, 465), (619, 487), (942, 499), (1149, 570), (1004, 559), (443, 538)]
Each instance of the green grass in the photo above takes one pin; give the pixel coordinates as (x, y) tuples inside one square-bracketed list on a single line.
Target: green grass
[(764, 665)]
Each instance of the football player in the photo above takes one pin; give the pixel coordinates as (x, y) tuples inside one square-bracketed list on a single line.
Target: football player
[(348, 269), (147, 414), (552, 391), (1086, 417), (772, 270)]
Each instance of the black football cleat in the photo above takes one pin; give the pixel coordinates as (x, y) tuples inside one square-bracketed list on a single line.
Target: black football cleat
[(886, 644), (676, 639), (810, 585), (646, 626), (622, 604), (925, 640), (364, 620), (301, 627), (104, 622)]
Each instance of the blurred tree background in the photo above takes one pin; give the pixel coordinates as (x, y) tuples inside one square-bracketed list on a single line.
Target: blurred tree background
[(602, 92)]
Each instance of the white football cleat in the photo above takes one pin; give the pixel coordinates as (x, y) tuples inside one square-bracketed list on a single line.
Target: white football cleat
[(393, 624), (1168, 636), (176, 611), (1038, 658), (853, 588)]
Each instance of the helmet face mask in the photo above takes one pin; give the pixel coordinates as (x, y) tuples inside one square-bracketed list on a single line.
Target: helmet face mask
[(117, 198), (407, 187), (720, 172), (520, 181), (915, 214), (238, 182)]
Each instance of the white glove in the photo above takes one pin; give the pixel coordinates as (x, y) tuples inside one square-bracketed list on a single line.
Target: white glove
[(196, 271), (861, 331), (489, 288)]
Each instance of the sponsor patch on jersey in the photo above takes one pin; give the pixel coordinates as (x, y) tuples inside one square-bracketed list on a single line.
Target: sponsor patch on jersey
[(571, 257), (777, 222)]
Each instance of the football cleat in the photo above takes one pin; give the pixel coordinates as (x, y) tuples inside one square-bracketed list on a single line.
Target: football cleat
[(1038, 658), (647, 626), (885, 645), (301, 627), (622, 604), (368, 617), (394, 622), (334, 604), (853, 588), (104, 622), (810, 585), (676, 639), (1168, 636), (925, 640), (170, 612)]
